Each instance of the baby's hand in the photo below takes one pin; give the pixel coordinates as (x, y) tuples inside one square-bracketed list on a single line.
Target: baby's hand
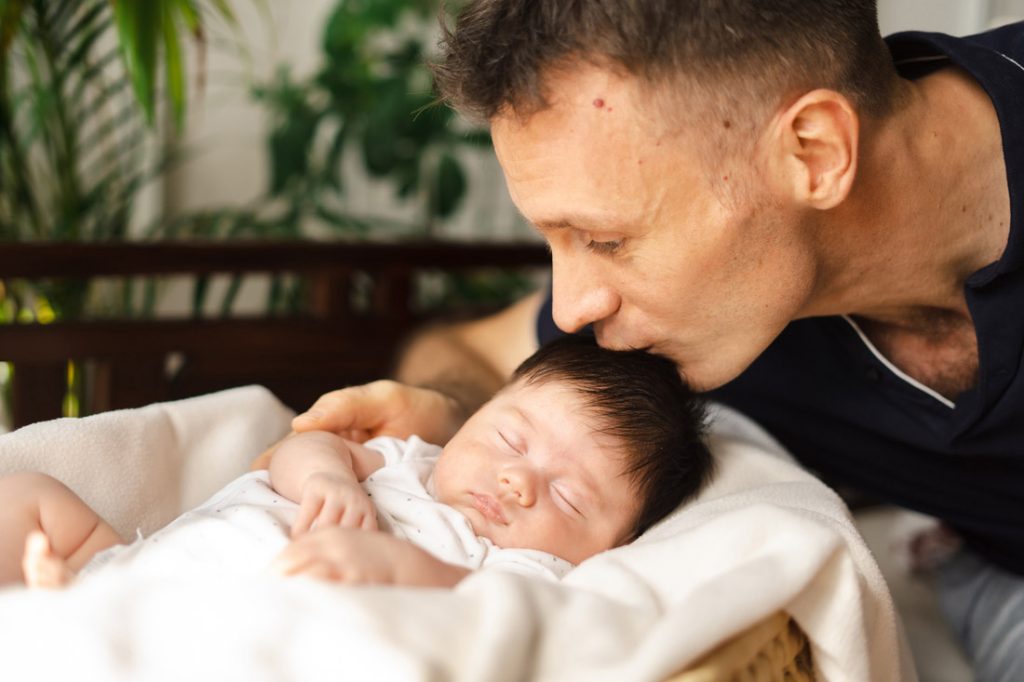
[(351, 557), (330, 500)]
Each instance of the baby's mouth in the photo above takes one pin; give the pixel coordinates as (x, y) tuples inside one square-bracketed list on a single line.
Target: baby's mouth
[(489, 508)]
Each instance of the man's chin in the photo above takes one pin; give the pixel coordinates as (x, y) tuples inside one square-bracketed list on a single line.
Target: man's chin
[(699, 376), (703, 378)]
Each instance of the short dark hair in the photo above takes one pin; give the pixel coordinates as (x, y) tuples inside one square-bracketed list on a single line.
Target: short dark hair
[(641, 400), (760, 50)]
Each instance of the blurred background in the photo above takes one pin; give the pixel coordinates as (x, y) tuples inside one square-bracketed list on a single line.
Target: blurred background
[(241, 120), (254, 120)]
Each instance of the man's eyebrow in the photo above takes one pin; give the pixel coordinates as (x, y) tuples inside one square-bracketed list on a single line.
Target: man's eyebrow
[(580, 221), (559, 224)]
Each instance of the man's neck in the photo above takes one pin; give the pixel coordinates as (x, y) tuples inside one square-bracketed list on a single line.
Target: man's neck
[(929, 208)]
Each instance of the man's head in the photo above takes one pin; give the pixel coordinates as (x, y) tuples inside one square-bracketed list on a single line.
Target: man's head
[(584, 450), (681, 157), (745, 54)]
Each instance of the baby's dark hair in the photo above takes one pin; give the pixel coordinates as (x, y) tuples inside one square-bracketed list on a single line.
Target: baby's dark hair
[(641, 400)]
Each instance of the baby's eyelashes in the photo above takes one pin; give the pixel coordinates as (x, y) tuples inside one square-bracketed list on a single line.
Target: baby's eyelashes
[(564, 500), (513, 446)]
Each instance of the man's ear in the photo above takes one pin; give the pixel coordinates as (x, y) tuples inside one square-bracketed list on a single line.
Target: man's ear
[(814, 143)]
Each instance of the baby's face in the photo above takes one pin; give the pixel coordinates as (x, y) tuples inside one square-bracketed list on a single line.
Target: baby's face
[(530, 469)]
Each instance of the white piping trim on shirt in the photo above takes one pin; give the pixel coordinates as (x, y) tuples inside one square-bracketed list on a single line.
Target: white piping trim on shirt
[(1011, 60), (896, 370), (941, 57)]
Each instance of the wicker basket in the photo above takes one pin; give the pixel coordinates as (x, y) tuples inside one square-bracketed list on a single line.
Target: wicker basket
[(774, 650)]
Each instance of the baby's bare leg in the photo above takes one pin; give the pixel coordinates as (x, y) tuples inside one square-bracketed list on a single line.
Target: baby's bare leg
[(32, 502)]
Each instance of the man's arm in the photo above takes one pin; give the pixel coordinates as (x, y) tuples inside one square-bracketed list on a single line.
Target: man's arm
[(470, 362), (444, 375)]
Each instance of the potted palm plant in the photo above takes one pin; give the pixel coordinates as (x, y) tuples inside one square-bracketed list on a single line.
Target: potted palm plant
[(80, 85), (81, 82)]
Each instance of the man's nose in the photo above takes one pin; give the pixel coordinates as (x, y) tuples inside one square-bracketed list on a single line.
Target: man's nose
[(519, 484), (578, 296)]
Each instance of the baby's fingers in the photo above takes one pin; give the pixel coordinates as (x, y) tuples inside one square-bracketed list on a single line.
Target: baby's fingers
[(355, 517), (289, 561), (330, 514), (309, 510), (369, 522)]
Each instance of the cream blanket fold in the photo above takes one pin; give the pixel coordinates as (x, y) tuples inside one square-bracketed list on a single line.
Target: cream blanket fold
[(765, 536), (140, 468)]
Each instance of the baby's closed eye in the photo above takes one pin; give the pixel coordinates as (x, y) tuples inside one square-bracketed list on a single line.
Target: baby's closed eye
[(512, 443), (563, 498)]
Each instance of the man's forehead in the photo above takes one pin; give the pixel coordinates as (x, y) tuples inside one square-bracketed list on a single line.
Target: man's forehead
[(589, 183), (579, 86)]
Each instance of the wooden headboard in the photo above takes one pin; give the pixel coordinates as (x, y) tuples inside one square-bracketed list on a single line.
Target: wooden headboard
[(331, 343)]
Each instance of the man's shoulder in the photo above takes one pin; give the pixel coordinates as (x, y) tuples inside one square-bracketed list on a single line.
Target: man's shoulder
[(1007, 39), (911, 46)]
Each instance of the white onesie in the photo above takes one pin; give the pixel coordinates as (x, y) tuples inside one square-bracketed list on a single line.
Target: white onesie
[(244, 525)]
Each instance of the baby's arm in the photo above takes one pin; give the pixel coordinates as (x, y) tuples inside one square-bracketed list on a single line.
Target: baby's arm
[(322, 472), (346, 556), (72, 533)]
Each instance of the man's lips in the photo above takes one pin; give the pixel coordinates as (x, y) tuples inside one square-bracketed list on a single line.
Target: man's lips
[(489, 508), (606, 340)]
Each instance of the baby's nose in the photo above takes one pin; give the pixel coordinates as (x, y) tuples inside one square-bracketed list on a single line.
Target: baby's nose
[(520, 486)]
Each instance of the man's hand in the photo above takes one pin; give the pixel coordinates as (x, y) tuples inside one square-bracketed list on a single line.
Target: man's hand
[(384, 408), (330, 500), (364, 558)]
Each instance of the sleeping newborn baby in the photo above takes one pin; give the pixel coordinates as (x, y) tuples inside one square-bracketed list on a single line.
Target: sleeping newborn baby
[(582, 451)]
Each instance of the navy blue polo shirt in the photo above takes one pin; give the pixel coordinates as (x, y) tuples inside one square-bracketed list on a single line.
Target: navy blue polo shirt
[(842, 409)]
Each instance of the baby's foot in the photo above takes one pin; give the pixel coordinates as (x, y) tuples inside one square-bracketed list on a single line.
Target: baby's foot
[(41, 566)]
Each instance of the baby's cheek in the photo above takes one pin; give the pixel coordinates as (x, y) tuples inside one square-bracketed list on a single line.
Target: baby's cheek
[(550, 535)]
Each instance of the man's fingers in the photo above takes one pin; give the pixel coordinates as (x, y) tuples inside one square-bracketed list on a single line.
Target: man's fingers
[(340, 411), (357, 435), (369, 522)]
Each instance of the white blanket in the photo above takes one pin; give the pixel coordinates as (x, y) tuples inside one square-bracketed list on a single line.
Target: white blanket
[(765, 536)]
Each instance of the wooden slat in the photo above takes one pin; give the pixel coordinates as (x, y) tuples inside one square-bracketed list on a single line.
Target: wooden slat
[(296, 357), (38, 391), (29, 260), (46, 343)]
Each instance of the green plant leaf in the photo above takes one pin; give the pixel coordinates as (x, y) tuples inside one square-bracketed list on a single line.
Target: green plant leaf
[(450, 186), (190, 14), (332, 163), (290, 145), (138, 28), (224, 9), (84, 19), (90, 77), (10, 20), (175, 70)]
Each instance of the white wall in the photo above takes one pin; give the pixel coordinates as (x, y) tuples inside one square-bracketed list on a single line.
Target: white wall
[(226, 131), (958, 17)]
